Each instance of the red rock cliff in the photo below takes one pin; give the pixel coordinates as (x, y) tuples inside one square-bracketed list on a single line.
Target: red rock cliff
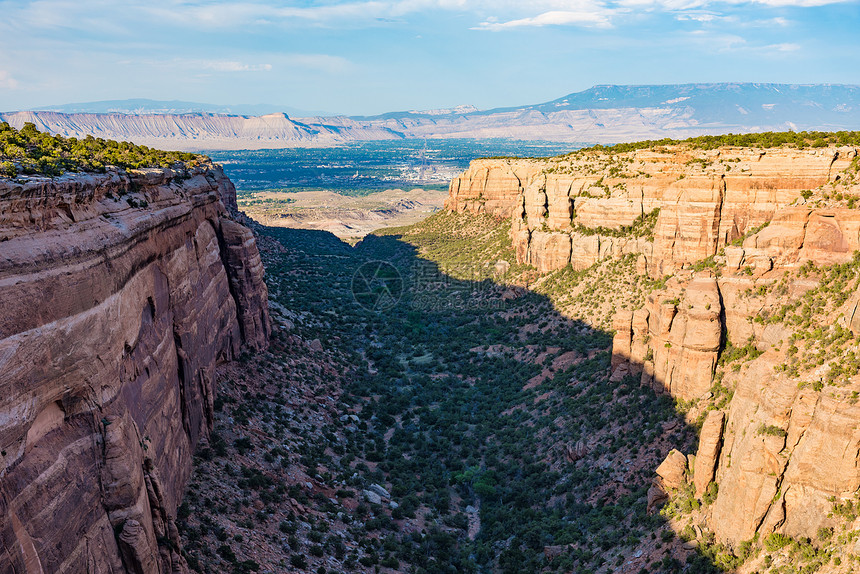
[(120, 292), (567, 209), (754, 242)]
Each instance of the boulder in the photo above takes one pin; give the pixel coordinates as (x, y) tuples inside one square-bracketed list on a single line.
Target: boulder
[(673, 470), (371, 497), (379, 490), (576, 452), (657, 495)]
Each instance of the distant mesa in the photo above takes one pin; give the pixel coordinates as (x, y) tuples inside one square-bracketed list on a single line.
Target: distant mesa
[(602, 114), (142, 106)]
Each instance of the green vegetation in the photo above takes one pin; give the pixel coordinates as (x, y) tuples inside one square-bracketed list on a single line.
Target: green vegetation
[(595, 293), (762, 139), (740, 240), (266, 203), (462, 403), (733, 354), (643, 226), (772, 430), (29, 151), (464, 246), (814, 342)]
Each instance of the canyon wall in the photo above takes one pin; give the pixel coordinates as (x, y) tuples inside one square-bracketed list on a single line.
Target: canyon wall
[(121, 292), (744, 324), (706, 200)]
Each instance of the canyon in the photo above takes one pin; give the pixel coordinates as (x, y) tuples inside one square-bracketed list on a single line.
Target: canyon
[(121, 293), (716, 310)]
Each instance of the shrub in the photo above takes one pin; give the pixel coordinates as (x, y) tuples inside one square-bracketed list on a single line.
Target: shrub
[(775, 541), (42, 153), (711, 494), (772, 430)]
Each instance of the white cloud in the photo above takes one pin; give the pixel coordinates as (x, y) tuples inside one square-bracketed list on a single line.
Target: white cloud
[(317, 62), (785, 47), (7, 82), (699, 16), (668, 5), (735, 44), (232, 66), (794, 3), (324, 62), (692, 4), (104, 17), (598, 17), (232, 14)]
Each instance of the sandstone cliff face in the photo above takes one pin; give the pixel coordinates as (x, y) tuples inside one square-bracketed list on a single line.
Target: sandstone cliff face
[(707, 200), (120, 294), (491, 186), (747, 294), (789, 448)]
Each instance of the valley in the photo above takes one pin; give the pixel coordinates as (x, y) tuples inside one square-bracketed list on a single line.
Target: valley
[(639, 358), (558, 404), (476, 406), (352, 190), (429, 287)]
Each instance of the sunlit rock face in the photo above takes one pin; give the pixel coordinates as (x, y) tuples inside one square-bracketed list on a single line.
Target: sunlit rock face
[(706, 199), (121, 292)]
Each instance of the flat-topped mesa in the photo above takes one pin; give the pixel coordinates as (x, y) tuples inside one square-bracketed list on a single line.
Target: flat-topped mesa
[(121, 292), (572, 209)]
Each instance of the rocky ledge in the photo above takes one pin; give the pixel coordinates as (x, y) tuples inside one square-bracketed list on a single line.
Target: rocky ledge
[(121, 292)]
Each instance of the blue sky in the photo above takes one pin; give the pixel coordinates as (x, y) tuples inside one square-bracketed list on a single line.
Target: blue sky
[(366, 57)]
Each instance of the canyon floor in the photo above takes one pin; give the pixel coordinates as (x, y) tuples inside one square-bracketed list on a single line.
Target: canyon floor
[(416, 412), (421, 410)]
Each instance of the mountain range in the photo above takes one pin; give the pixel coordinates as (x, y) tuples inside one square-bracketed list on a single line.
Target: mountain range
[(602, 114)]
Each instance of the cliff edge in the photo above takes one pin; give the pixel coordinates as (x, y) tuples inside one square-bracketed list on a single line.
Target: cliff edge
[(121, 292)]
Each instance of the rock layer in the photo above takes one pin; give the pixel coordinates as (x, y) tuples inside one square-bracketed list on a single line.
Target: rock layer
[(121, 292), (707, 199)]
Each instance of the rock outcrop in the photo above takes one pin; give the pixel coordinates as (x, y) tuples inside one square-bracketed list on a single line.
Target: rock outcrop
[(676, 342), (710, 440), (120, 294)]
